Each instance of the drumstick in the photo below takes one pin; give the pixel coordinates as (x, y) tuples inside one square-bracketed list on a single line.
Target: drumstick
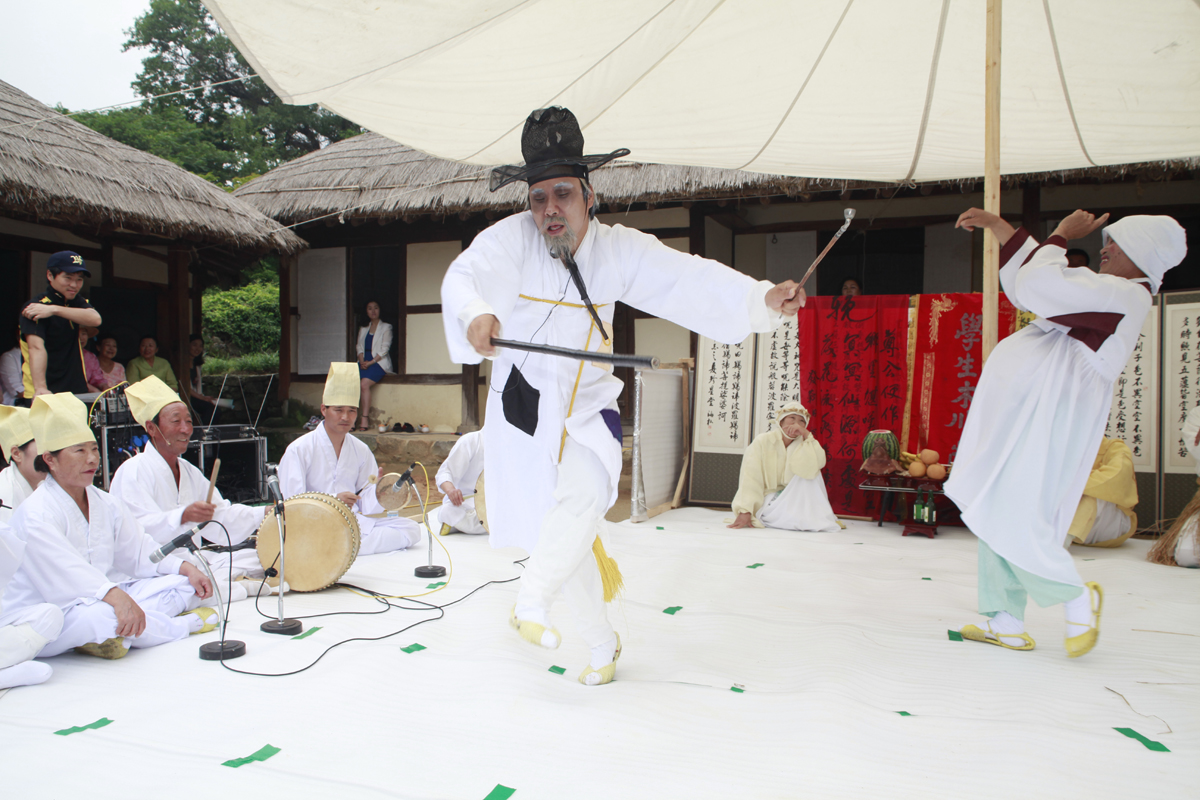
[(849, 215), (212, 482), (370, 481)]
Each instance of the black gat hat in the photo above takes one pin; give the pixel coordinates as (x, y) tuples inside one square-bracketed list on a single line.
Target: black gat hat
[(552, 145)]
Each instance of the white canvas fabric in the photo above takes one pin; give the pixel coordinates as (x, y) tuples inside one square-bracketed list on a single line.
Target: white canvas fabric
[(868, 89)]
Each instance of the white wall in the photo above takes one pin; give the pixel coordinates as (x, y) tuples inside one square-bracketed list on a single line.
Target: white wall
[(750, 255), (677, 217), (425, 346), (658, 337), (788, 255), (324, 310), (427, 264), (947, 259), (135, 266), (718, 242)]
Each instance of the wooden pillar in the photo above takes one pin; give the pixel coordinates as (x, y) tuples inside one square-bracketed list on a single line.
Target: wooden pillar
[(197, 297), (178, 312), (287, 264), (991, 180), (470, 398), (1031, 209)]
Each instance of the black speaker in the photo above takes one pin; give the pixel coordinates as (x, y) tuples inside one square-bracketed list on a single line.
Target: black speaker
[(243, 455)]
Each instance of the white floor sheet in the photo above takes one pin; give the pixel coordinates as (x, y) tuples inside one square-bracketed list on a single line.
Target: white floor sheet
[(830, 639)]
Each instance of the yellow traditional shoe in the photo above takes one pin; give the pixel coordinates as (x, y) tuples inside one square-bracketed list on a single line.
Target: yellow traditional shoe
[(534, 632), (607, 672), (1084, 642), (208, 615), (977, 634), (445, 529), (112, 649)]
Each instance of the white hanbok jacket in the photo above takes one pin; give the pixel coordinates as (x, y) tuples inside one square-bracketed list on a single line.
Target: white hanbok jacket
[(464, 465), (146, 485), (70, 558), (381, 345), (14, 490), (1041, 406), (769, 467), (536, 400)]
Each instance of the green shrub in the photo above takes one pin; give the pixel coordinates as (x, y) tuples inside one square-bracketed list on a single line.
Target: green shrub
[(250, 364), (247, 317)]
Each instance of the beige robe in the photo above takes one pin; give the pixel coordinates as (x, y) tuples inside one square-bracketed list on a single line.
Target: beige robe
[(768, 467), (1112, 480)]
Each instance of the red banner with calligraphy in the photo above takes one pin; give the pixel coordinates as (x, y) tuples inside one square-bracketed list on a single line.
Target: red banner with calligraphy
[(947, 359), (853, 353)]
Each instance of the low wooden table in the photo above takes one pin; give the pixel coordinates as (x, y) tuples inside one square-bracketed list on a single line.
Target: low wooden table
[(899, 484)]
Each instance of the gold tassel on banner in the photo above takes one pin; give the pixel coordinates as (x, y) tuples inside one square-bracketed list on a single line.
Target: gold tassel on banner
[(610, 573)]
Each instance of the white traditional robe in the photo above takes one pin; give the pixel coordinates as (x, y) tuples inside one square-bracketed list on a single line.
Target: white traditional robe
[(1041, 406), (27, 630), (782, 486), (310, 465), (462, 468), (508, 264), (146, 485), (73, 561), (14, 490)]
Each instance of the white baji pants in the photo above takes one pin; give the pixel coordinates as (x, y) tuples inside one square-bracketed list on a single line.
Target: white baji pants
[(162, 599), (24, 632), (463, 518), (562, 560)]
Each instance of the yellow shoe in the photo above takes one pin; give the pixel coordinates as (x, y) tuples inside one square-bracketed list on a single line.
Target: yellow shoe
[(607, 672), (977, 634), (1084, 642), (445, 529), (112, 649), (532, 632), (208, 615)]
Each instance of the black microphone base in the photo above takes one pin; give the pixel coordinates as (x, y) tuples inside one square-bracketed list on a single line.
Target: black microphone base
[(222, 651), (431, 571), (289, 627)]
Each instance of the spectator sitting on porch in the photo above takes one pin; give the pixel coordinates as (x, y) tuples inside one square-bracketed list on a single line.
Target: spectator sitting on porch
[(147, 364), (11, 383), (111, 371), (91, 363), (202, 404), (374, 359), (50, 330), (851, 287), (1078, 258)]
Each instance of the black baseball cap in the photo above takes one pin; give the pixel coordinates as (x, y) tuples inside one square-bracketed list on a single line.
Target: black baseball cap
[(67, 261)]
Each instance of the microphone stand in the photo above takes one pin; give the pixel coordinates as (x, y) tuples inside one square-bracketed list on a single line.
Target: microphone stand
[(282, 626), (225, 649), (429, 570)]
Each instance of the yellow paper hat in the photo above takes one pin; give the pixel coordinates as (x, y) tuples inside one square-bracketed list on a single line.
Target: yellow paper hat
[(58, 421), (149, 396), (14, 428), (342, 387)]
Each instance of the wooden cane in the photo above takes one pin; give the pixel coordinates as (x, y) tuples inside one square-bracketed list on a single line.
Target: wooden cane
[(212, 482)]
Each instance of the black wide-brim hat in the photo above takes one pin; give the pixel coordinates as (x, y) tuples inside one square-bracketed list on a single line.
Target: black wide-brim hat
[(552, 145)]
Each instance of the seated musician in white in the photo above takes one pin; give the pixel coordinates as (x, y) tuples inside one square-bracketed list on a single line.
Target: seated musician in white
[(1105, 517), (458, 473), (19, 478), (169, 495), (329, 461), (80, 542), (781, 481), (24, 632)]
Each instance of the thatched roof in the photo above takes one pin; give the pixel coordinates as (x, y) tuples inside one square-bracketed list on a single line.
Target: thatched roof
[(372, 177), (57, 170)]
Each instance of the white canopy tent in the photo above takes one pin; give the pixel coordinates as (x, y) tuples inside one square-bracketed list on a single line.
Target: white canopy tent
[(855, 89)]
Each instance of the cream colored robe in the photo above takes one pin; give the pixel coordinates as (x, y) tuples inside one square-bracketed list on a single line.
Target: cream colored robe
[(1112, 480), (768, 467)]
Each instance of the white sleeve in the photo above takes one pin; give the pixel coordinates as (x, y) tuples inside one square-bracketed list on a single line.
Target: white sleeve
[(54, 568), (12, 383), (382, 344), (293, 468), (362, 340), (138, 497), (484, 279), (132, 547), (1046, 286)]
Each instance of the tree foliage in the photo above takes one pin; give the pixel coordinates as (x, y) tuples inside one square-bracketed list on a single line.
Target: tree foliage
[(237, 130), (245, 318)]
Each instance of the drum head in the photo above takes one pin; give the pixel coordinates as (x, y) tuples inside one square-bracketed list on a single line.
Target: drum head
[(322, 541), (391, 496)]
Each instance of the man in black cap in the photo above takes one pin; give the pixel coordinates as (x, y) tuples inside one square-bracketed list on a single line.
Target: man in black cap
[(552, 276), (50, 322)]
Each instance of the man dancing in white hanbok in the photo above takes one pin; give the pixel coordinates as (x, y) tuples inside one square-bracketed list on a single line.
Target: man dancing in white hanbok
[(553, 435), (330, 461), (81, 544), (169, 495), (1040, 410), (461, 470)]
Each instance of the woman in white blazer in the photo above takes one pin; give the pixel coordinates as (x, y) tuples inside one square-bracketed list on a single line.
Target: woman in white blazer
[(374, 360)]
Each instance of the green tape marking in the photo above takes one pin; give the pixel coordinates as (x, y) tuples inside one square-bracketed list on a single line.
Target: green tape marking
[(672, 609), (100, 723), (904, 713), (659, 527), (500, 793), (926, 579), (1089, 559), (738, 689), (413, 648), (308, 632), (755, 566), (558, 670), (259, 755), (955, 636), (436, 585), (1150, 743)]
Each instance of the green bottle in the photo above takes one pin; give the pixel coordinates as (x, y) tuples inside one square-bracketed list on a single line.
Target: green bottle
[(918, 511)]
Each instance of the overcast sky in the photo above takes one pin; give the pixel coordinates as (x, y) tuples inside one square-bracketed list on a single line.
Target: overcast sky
[(69, 51)]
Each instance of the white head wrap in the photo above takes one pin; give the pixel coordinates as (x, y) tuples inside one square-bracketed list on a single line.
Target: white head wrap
[(1153, 243), (792, 407)]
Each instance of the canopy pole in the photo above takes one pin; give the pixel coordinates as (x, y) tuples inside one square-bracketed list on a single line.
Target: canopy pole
[(991, 180)]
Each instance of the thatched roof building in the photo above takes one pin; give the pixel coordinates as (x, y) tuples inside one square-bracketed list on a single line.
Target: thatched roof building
[(56, 171), (370, 177)]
